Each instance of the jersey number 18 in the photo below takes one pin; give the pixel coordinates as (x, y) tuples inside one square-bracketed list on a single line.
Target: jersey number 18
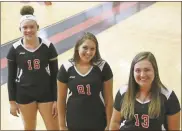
[(36, 64)]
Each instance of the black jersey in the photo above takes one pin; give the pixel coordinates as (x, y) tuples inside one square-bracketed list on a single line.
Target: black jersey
[(85, 103), (33, 74), (142, 121)]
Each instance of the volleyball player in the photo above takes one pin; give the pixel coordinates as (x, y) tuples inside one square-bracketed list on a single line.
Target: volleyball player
[(88, 105), (32, 71), (145, 103)]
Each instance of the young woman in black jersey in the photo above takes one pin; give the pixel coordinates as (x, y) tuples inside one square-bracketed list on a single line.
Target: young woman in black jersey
[(87, 105), (145, 103), (32, 71)]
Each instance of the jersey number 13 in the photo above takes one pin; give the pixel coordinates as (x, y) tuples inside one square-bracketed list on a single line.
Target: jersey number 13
[(145, 123)]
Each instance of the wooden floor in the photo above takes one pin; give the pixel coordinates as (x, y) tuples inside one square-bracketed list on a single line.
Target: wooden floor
[(156, 29)]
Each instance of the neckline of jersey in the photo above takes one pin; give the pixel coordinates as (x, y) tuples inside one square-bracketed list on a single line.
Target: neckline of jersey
[(147, 101), (40, 41), (83, 75)]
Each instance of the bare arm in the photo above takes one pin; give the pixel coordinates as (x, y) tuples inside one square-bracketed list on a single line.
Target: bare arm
[(115, 120), (108, 99), (174, 122), (61, 103)]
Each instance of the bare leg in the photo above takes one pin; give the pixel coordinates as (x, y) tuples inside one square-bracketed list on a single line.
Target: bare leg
[(45, 110), (29, 115)]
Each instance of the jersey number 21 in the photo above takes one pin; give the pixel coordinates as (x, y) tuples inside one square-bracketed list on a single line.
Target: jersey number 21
[(81, 89)]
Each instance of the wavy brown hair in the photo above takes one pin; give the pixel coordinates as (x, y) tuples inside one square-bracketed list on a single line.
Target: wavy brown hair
[(128, 104), (87, 36)]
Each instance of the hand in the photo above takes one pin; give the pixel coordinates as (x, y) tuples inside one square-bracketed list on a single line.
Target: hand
[(63, 128), (54, 109), (14, 109), (107, 128)]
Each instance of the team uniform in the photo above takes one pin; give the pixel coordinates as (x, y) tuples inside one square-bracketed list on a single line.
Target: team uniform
[(85, 103), (31, 74), (169, 106)]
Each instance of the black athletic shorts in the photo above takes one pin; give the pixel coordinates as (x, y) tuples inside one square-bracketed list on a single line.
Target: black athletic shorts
[(26, 95)]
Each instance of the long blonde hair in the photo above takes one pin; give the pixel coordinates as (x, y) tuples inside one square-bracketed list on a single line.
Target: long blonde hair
[(128, 103)]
